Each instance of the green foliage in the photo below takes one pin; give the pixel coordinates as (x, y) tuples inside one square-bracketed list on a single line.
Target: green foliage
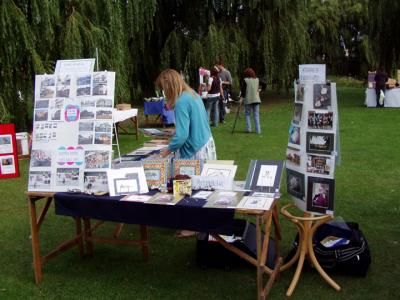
[(139, 38)]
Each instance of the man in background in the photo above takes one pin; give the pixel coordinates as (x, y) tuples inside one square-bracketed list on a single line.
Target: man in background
[(226, 81)]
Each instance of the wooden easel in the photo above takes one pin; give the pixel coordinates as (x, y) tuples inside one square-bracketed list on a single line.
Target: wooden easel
[(306, 225)]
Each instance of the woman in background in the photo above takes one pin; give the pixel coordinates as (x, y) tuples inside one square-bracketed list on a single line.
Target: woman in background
[(214, 89), (192, 139), (250, 92)]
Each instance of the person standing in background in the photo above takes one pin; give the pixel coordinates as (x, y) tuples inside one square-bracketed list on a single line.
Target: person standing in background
[(214, 89), (381, 78), (250, 92), (226, 79)]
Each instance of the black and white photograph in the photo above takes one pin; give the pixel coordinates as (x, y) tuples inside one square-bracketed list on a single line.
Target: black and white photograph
[(84, 80), (85, 138), (86, 126), (41, 115), (88, 103), (293, 157), (102, 138), (67, 177), (87, 114), (42, 104), (62, 91), (103, 127), (83, 91), (56, 103), (97, 159), (47, 92), (99, 89), (320, 143), (95, 182), (299, 96), (100, 77), (322, 96), (104, 114), (55, 115), (320, 194), (48, 81), (320, 120), (298, 109), (104, 102), (294, 135), (295, 183), (40, 158), (39, 180), (64, 79), (319, 164)]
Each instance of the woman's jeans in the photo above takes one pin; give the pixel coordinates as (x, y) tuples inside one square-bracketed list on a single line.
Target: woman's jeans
[(212, 106), (255, 108)]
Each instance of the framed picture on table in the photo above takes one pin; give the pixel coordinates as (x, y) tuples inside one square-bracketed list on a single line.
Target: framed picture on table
[(187, 167), (219, 170), (156, 171), (126, 181), (264, 175)]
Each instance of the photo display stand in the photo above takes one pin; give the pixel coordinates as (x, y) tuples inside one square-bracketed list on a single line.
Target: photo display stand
[(310, 161), (9, 167), (72, 132), (312, 153)]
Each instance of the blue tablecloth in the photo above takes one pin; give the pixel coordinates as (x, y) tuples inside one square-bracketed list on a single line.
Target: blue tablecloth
[(159, 108), (186, 214)]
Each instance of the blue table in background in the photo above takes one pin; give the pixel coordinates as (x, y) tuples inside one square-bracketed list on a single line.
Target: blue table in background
[(159, 109)]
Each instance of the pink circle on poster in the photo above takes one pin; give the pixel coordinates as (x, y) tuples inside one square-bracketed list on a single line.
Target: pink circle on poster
[(71, 113)]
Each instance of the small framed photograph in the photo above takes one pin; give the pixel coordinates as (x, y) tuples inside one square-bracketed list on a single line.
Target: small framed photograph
[(187, 167), (156, 172), (320, 120), (320, 143), (322, 96), (216, 170), (320, 195), (298, 109), (293, 157), (295, 183), (95, 182), (319, 164), (294, 135), (299, 92), (126, 181)]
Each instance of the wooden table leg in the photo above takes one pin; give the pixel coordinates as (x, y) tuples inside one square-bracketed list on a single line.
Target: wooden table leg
[(260, 267), (78, 226), (37, 265), (144, 237), (88, 233)]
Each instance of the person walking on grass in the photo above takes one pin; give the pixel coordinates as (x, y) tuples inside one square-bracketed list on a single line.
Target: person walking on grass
[(250, 95)]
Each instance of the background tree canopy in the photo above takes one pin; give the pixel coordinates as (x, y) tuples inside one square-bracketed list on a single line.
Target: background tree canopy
[(139, 38)]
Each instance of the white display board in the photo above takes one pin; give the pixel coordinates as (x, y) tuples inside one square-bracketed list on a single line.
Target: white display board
[(72, 131), (312, 147), (70, 66), (314, 73)]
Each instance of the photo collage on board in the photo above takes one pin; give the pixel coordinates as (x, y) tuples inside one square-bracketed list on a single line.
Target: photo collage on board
[(311, 151), (72, 132)]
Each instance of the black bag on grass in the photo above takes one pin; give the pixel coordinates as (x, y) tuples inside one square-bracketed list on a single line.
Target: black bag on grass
[(353, 258)]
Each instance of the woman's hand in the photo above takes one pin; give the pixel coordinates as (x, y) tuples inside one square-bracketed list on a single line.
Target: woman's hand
[(165, 152)]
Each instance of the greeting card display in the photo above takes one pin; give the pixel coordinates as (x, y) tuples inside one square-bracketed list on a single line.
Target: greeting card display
[(8, 152), (72, 131), (313, 142)]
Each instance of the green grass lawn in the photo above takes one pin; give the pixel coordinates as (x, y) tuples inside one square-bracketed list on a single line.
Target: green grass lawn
[(367, 192)]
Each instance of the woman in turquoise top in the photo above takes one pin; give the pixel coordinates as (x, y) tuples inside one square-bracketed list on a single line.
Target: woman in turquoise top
[(192, 139)]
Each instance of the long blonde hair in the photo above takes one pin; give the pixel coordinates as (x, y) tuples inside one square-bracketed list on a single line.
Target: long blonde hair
[(171, 82)]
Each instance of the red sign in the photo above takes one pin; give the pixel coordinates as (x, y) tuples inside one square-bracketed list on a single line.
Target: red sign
[(8, 152)]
